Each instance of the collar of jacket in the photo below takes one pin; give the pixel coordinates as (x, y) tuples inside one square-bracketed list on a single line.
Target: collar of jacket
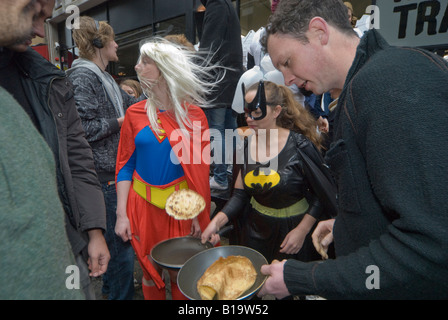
[(370, 43), (36, 67)]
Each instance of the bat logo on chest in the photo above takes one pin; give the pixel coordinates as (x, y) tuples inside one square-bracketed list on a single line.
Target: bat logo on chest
[(262, 179)]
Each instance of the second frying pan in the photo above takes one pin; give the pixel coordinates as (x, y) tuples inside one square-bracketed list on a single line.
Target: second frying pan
[(174, 252)]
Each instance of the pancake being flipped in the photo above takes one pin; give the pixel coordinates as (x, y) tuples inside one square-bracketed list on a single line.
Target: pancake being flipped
[(227, 278), (184, 204)]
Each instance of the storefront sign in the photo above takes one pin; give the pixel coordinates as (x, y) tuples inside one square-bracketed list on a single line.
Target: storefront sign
[(413, 23)]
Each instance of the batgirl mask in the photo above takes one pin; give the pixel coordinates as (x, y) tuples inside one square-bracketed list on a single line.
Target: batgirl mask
[(256, 109)]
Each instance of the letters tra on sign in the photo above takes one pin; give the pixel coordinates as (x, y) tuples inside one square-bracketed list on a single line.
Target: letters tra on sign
[(414, 23)]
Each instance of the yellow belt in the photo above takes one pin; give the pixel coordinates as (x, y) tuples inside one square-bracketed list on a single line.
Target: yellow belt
[(156, 195), (298, 208)]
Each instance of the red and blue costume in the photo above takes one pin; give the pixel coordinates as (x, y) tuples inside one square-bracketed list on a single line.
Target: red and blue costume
[(158, 163)]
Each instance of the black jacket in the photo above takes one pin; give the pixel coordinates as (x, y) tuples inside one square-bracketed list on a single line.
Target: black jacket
[(50, 94), (221, 36)]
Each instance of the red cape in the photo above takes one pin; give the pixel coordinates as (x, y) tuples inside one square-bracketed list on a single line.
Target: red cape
[(196, 164)]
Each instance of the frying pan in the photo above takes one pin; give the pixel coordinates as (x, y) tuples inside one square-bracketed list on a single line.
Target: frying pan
[(195, 267), (174, 252)]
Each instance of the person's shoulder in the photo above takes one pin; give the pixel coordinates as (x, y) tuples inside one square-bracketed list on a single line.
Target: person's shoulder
[(192, 107), (195, 111), (396, 59), (137, 108), (36, 66), (196, 114), (299, 138), (420, 58), (400, 67), (82, 77), (81, 73)]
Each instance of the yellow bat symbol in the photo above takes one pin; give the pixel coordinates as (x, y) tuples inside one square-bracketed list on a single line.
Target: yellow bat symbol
[(262, 178)]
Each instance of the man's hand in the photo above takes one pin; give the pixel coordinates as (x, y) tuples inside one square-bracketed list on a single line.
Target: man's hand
[(323, 125), (323, 237), (99, 255), (274, 285)]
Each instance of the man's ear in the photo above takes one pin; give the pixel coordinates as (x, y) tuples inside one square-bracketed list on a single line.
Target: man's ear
[(318, 28)]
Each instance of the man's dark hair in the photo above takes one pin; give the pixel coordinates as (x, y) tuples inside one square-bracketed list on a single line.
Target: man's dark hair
[(292, 17)]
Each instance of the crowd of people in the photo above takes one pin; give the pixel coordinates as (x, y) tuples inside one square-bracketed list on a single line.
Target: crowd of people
[(342, 168)]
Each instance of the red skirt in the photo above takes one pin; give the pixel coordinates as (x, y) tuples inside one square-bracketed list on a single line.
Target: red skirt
[(149, 226)]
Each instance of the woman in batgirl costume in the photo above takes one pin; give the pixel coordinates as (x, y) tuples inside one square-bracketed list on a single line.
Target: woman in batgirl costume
[(273, 199), (164, 146)]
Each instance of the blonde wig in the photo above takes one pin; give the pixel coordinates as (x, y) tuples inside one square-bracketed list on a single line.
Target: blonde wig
[(293, 116), (87, 32), (189, 79)]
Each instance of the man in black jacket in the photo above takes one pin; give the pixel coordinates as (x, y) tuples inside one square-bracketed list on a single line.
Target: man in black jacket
[(390, 234), (46, 95), (221, 37)]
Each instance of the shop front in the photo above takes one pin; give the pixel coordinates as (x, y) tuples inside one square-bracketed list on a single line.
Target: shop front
[(136, 20), (411, 23)]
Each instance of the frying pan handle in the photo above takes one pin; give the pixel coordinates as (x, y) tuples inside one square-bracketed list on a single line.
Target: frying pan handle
[(225, 230)]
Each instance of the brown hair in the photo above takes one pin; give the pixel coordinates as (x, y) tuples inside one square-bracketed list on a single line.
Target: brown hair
[(292, 17), (293, 115), (180, 39), (87, 32), (134, 85)]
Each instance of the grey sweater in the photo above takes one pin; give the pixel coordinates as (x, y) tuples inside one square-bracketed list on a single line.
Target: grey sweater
[(34, 248), (389, 154)]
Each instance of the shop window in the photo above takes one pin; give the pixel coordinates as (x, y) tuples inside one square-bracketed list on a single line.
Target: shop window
[(254, 14), (129, 44)]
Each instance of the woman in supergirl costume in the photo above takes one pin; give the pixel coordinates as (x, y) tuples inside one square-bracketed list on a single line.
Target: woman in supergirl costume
[(164, 146)]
